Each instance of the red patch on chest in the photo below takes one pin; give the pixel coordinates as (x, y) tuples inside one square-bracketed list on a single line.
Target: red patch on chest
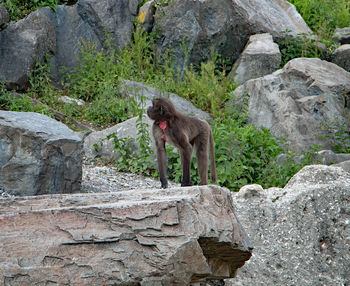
[(163, 125)]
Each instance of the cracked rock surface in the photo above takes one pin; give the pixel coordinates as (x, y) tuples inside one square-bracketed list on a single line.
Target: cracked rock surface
[(301, 233), (177, 236)]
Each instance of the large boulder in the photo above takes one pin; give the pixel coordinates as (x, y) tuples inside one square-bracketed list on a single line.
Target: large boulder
[(135, 90), (38, 155), (260, 57), (61, 33), (71, 31), (298, 101), (22, 44), (300, 233), (91, 21), (341, 57), (101, 143), (4, 16), (140, 237), (110, 18), (96, 144), (194, 28)]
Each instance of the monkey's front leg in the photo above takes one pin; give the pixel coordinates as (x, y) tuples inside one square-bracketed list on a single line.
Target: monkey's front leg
[(161, 160)]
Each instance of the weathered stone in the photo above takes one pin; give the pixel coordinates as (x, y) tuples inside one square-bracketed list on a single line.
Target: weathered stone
[(342, 35), (38, 155), (71, 31), (89, 21), (146, 15), (328, 157), (4, 16), (96, 143), (70, 100), (251, 191), (134, 6), (325, 157), (143, 237), (345, 165), (24, 43), (222, 25), (69, 27), (300, 233), (136, 89), (296, 101), (260, 57), (341, 57), (111, 18)]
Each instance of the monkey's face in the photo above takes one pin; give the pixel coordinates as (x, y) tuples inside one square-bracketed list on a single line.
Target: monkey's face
[(161, 109)]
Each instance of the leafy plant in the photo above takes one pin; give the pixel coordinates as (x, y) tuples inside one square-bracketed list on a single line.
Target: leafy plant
[(298, 46), (19, 9), (136, 61), (135, 155), (339, 136), (323, 16), (95, 81), (20, 102)]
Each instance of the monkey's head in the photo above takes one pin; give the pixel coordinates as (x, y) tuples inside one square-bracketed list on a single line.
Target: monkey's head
[(162, 109)]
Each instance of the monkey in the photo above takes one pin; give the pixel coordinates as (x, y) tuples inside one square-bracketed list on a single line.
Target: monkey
[(185, 133)]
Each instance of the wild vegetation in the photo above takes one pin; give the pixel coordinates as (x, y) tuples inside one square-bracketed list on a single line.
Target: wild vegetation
[(245, 154)]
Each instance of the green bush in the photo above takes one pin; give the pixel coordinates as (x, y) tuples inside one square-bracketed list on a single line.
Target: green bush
[(95, 81), (19, 9), (247, 154), (323, 16), (298, 46), (18, 102)]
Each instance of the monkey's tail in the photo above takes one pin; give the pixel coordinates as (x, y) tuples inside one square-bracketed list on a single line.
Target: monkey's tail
[(212, 158)]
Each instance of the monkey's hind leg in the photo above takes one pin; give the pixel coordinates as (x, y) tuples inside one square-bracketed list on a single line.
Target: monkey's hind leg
[(202, 160), (185, 156)]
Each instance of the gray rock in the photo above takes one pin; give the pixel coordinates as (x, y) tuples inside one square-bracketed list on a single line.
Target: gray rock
[(148, 237), (62, 34), (251, 191), (199, 26), (260, 57), (38, 155), (134, 6), (325, 157), (300, 233), (4, 16), (109, 18), (70, 33), (345, 165), (70, 100), (146, 15), (90, 21), (341, 57), (328, 157), (296, 101), (134, 89), (96, 143), (22, 44), (342, 35)]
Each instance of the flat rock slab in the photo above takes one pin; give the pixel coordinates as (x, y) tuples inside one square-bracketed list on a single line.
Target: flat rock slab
[(146, 237), (38, 155)]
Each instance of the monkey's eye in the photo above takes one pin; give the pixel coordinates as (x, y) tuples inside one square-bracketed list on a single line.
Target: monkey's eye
[(161, 110)]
